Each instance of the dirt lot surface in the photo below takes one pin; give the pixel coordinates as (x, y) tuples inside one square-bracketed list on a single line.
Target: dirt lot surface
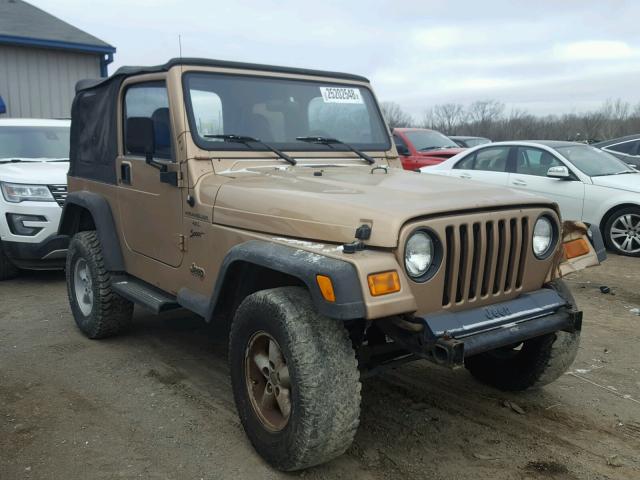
[(156, 403)]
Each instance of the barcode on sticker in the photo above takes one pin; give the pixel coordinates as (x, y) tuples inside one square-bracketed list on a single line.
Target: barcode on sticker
[(340, 95)]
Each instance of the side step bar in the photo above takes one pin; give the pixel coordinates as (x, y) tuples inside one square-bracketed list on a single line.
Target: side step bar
[(141, 293)]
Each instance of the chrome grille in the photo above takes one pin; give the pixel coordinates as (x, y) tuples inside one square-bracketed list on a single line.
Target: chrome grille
[(59, 193), (484, 258)]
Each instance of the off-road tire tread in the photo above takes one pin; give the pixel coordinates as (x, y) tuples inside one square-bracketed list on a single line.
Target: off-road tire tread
[(329, 383), (7, 269), (542, 360), (111, 313), (609, 223)]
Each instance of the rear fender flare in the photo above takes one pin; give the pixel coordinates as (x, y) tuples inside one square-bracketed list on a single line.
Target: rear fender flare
[(100, 211)]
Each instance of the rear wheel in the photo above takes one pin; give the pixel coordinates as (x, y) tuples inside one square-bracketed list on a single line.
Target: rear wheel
[(98, 311), (535, 362), (7, 269), (295, 379), (622, 231)]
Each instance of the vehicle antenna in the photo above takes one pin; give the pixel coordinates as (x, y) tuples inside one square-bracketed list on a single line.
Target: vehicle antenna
[(190, 199)]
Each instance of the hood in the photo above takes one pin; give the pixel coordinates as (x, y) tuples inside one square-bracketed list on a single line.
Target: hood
[(442, 153), (294, 202), (629, 182), (35, 172)]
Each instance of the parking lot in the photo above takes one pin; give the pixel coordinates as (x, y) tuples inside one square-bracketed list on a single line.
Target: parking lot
[(156, 403)]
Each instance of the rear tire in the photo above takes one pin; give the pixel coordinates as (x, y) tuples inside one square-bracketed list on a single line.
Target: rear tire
[(535, 363), (98, 311), (279, 343), (622, 232), (7, 269)]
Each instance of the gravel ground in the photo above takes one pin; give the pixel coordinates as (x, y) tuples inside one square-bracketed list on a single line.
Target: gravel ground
[(157, 404)]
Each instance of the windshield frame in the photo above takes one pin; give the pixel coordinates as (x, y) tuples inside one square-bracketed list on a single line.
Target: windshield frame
[(293, 146), (623, 166)]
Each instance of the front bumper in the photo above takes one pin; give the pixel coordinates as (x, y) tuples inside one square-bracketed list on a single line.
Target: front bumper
[(49, 254), (449, 337)]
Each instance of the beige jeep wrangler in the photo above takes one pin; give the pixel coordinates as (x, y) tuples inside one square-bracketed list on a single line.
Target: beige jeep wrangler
[(271, 200)]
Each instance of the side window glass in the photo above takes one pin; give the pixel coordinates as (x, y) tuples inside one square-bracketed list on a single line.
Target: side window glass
[(492, 159), (397, 139), (627, 147), (466, 163), (150, 100), (533, 161)]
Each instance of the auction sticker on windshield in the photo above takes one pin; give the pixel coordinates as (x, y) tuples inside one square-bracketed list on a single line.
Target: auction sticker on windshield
[(340, 95)]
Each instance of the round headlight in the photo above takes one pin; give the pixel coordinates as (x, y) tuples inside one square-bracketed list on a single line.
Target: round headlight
[(542, 237), (418, 254)]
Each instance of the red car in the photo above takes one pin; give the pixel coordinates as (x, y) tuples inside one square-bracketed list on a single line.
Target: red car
[(420, 147)]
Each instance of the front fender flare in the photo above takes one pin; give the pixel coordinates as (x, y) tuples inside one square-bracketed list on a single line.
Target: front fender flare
[(298, 263)]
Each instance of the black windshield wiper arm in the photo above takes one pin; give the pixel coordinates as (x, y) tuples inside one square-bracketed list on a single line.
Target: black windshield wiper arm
[(335, 141), (245, 140)]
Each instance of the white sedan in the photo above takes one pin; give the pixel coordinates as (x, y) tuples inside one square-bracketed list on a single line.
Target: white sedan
[(588, 184)]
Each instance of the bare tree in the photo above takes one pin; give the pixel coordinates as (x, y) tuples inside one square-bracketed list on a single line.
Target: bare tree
[(395, 116), (447, 117), (486, 118)]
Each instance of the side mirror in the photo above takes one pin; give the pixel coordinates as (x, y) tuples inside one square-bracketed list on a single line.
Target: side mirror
[(559, 172), (140, 137), (402, 150)]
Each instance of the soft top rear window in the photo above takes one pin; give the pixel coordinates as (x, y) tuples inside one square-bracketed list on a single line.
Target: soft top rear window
[(277, 110)]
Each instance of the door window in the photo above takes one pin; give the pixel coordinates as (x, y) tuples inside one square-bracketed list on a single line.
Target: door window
[(397, 139), (629, 148), (150, 100), (492, 159), (533, 161)]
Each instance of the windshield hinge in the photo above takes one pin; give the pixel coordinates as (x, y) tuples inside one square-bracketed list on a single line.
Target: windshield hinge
[(181, 243)]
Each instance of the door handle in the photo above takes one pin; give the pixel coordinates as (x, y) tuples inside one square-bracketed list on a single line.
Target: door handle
[(519, 183), (466, 176), (125, 173)]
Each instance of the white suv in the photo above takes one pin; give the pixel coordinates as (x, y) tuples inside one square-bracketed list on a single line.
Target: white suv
[(34, 160)]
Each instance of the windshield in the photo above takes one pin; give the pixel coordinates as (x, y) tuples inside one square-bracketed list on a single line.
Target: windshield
[(276, 111), (472, 142), (423, 140), (34, 142), (593, 161)]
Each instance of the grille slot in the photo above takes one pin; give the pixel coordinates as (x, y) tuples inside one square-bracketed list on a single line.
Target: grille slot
[(484, 258), (59, 193)]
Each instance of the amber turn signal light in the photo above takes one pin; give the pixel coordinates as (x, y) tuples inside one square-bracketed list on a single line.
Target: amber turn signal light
[(576, 248), (326, 288), (383, 283)]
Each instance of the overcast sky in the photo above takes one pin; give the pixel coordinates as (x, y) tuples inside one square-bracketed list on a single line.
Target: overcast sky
[(542, 56)]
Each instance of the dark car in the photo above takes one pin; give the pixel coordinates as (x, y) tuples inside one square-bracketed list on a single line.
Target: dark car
[(468, 142), (626, 148)]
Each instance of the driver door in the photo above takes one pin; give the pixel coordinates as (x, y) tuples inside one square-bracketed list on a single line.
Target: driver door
[(150, 209)]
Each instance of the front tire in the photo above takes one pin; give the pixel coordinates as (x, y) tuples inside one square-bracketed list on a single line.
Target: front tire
[(295, 379), (622, 232), (7, 269), (533, 363), (98, 311)]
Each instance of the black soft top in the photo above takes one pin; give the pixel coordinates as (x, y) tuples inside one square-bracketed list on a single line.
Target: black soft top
[(94, 133), (129, 71)]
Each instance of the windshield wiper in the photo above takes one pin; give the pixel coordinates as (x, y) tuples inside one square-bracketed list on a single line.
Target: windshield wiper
[(437, 148), (334, 141), (246, 140), (615, 173), (12, 160)]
